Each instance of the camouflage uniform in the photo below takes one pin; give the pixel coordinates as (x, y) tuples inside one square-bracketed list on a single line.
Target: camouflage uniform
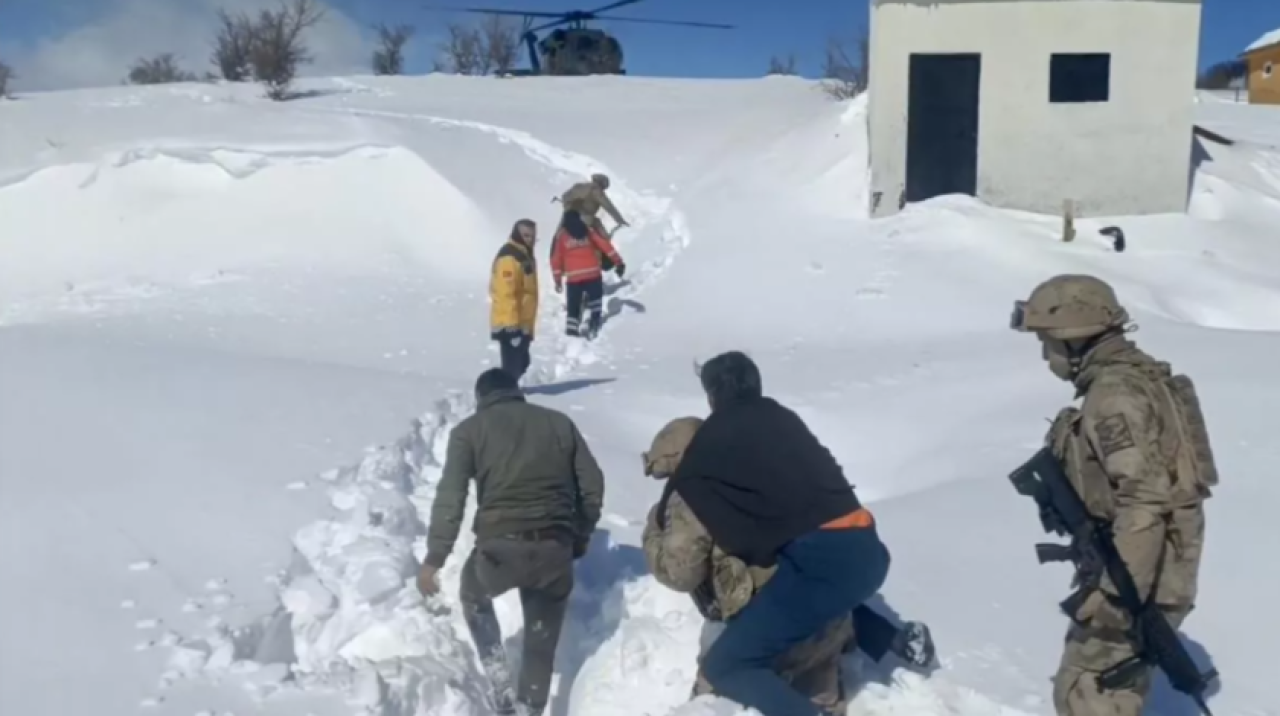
[(588, 198), (681, 556), (1137, 451)]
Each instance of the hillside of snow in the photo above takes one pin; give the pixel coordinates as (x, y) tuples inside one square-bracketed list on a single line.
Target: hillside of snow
[(234, 335)]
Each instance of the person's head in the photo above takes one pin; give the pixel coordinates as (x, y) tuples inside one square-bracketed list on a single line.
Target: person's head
[(600, 180), (525, 231), (574, 224), (495, 380), (730, 377), (1071, 314), (663, 456)]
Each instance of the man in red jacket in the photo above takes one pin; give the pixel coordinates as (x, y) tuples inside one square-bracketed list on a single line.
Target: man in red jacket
[(575, 260)]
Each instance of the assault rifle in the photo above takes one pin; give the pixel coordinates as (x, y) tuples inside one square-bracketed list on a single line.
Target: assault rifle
[(1093, 551)]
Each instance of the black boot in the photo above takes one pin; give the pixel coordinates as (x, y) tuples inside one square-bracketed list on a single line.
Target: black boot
[(914, 644)]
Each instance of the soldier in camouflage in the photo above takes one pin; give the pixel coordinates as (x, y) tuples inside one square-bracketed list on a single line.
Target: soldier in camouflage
[(682, 556), (1137, 450), (586, 199)]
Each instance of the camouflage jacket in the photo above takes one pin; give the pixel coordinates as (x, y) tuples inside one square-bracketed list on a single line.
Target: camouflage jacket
[(587, 198), (681, 556), (1137, 452)]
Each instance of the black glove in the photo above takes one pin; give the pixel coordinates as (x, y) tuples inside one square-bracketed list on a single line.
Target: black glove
[(620, 269)]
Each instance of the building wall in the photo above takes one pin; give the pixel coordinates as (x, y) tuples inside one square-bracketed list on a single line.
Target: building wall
[(1130, 155), (1263, 89)]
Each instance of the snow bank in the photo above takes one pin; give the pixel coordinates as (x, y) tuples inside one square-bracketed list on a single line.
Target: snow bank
[(151, 218)]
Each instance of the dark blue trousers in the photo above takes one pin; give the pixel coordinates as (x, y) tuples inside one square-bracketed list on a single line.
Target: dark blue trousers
[(820, 576)]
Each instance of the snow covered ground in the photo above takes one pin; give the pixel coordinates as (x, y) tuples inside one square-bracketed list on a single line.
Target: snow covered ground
[(234, 335)]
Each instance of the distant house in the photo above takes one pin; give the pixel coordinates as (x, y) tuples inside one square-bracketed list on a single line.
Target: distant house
[(1263, 59), (1026, 104)]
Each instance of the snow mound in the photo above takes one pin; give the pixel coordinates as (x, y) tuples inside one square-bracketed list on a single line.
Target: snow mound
[(173, 213)]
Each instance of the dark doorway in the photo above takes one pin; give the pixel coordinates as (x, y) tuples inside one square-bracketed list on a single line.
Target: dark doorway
[(942, 125)]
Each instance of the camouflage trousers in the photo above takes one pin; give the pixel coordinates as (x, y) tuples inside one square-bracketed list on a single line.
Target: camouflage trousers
[(812, 667), (1086, 654)]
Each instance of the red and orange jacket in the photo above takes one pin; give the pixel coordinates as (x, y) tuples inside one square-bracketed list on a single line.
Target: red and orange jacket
[(577, 260)]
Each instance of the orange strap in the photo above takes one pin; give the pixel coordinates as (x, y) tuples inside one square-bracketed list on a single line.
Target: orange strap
[(858, 519)]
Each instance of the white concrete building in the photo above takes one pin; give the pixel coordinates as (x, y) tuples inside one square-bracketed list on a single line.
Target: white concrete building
[(1027, 103)]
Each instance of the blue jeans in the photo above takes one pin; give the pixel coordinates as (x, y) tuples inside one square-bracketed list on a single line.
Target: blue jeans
[(820, 576)]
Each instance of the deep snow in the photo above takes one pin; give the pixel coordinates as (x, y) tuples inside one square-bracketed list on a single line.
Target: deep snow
[(218, 314)]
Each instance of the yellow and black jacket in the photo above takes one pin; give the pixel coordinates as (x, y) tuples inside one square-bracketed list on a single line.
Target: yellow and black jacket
[(513, 291)]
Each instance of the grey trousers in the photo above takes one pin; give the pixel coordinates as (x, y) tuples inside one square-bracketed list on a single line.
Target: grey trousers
[(541, 568)]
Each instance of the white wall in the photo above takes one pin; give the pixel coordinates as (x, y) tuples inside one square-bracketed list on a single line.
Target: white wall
[(1130, 155)]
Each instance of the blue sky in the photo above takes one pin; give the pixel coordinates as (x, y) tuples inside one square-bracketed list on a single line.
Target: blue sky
[(105, 34)]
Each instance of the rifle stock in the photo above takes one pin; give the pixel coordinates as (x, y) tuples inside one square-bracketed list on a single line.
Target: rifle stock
[(1155, 642)]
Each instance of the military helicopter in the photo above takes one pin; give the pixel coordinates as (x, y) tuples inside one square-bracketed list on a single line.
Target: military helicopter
[(575, 49)]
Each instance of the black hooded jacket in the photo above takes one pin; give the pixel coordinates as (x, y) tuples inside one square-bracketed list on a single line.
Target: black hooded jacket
[(757, 478)]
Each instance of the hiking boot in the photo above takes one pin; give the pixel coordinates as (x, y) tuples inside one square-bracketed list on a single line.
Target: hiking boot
[(914, 644)]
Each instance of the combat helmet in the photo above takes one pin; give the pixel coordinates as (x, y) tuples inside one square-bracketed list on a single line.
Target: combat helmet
[(663, 456), (1070, 307), (600, 180)]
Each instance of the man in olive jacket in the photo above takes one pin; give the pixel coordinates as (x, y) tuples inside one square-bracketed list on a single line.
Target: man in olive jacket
[(539, 493)]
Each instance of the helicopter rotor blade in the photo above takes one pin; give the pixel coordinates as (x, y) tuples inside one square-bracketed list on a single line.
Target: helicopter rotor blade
[(713, 25), (611, 6), (553, 23), (492, 11)]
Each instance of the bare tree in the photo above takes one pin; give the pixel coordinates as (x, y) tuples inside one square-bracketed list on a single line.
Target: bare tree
[(158, 70), (844, 76), (6, 74), (278, 47), (388, 59), (233, 47), (499, 44), (491, 46), (1219, 76), (782, 65), (461, 52)]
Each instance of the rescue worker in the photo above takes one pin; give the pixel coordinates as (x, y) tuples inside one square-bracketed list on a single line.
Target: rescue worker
[(587, 198), (769, 493), (575, 259), (513, 298), (681, 555), (539, 492), (1137, 450)]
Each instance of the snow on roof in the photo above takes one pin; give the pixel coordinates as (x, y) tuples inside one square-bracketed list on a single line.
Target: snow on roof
[(1267, 40)]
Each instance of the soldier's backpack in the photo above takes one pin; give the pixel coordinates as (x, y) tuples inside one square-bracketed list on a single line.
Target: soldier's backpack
[(1193, 460)]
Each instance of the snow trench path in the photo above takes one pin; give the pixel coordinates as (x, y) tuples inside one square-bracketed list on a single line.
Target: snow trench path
[(350, 618)]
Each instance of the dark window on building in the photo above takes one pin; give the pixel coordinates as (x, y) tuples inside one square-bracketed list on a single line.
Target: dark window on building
[(1079, 78)]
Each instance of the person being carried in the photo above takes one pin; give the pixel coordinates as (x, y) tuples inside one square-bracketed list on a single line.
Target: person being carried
[(771, 494), (681, 556), (575, 259), (513, 297), (539, 492), (587, 198)]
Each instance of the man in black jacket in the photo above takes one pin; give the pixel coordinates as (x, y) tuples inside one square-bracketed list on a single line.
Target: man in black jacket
[(769, 493)]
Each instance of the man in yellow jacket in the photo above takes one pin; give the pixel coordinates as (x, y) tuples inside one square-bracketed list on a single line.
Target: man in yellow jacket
[(513, 298)]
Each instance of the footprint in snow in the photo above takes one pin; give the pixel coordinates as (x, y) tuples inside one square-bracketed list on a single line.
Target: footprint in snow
[(192, 605), (215, 584), (152, 702), (142, 566), (299, 485), (128, 604), (147, 623)]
